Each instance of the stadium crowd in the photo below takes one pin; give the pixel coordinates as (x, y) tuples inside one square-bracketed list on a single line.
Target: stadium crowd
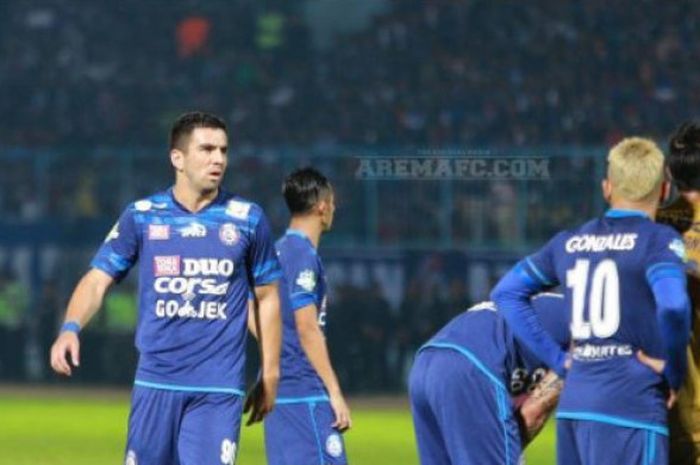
[(425, 73)]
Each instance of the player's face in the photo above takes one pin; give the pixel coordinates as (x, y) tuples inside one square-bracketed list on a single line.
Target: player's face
[(327, 207), (203, 162)]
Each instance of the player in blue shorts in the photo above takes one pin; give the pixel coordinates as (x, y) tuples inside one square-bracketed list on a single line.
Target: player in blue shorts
[(625, 289), (310, 413), (198, 248), (467, 383)]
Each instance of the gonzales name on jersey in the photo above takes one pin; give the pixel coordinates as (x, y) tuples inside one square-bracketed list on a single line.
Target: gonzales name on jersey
[(194, 273)]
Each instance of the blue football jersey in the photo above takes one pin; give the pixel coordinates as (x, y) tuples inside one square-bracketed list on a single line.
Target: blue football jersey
[(482, 334), (605, 267), (195, 271), (303, 283)]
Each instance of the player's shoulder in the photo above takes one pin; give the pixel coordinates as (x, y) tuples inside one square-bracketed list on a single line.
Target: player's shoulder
[(663, 231), (293, 246), (664, 236), (561, 237), (155, 202)]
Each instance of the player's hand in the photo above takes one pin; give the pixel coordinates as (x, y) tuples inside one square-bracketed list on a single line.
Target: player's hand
[(261, 399), (672, 398), (342, 422), (67, 345), (658, 365), (253, 403)]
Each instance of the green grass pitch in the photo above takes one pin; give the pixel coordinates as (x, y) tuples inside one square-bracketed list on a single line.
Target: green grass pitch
[(38, 428)]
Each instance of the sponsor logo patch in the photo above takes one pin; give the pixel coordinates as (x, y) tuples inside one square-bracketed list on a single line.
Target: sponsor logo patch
[(113, 233), (307, 280), (168, 265), (158, 232), (678, 247), (143, 205), (193, 230), (238, 209)]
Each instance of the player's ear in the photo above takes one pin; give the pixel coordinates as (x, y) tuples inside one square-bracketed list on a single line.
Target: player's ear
[(665, 194), (606, 187), (322, 207), (177, 159)]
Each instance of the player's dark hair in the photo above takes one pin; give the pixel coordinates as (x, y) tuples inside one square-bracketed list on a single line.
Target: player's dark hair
[(188, 122), (303, 188), (684, 156)]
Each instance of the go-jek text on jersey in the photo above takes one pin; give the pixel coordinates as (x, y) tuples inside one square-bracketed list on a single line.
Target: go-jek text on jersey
[(194, 278)]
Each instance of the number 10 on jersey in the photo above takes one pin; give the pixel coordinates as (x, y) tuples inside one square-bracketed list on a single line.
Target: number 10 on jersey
[(603, 299)]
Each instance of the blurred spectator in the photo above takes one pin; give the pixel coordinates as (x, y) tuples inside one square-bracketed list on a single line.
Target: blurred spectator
[(192, 35)]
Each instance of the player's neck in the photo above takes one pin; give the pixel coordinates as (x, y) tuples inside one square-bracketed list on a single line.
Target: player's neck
[(309, 226), (645, 207), (192, 199)]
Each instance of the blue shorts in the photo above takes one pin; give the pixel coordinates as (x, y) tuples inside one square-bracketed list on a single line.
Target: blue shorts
[(299, 432), (182, 428), (584, 442), (462, 415)]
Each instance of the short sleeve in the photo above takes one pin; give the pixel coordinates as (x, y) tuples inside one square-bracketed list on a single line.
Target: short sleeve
[(302, 276), (265, 267), (666, 256), (120, 249)]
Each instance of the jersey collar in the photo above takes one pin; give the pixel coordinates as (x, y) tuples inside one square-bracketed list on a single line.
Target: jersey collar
[(216, 200), (625, 213), (296, 232)]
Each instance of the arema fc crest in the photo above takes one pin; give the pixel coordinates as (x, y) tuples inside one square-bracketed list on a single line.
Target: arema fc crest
[(334, 446), (228, 234)]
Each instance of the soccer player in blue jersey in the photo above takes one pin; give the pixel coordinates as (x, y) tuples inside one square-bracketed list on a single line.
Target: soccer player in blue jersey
[(311, 412), (625, 289), (198, 249), (467, 383)]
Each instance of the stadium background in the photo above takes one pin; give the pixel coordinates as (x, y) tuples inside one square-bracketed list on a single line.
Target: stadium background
[(88, 90)]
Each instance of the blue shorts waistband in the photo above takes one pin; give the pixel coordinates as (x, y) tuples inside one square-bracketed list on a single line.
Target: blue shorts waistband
[(302, 400), (613, 420), (183, 388)]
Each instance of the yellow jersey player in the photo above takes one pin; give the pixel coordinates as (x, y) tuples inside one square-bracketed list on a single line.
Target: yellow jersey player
[(684, 213)]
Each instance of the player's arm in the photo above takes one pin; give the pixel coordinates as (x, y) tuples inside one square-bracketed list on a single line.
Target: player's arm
[(538, 406), (668, 284), (512, 298), (314, 344), (111, 264), (264, 322), (84, 303), (264, 272), (252, 327), (271, 338), (666, 277)]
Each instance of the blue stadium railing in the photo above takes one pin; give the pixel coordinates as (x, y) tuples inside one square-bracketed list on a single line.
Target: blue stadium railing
[(71, 186)]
